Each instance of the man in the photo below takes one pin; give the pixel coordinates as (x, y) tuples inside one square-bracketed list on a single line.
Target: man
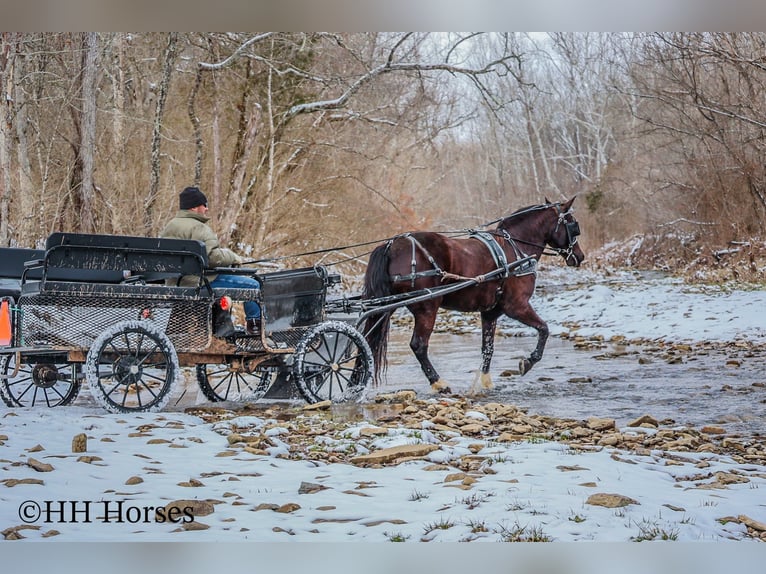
[(191, 223)]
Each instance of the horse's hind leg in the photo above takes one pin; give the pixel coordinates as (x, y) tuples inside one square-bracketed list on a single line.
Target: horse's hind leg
[(483, 379), (528, 316), (425, 319)]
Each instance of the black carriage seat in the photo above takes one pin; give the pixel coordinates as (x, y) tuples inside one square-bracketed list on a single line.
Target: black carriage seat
[(77, 258), (12, 260)]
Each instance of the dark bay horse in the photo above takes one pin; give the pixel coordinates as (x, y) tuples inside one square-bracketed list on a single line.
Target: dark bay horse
[(425, 260)]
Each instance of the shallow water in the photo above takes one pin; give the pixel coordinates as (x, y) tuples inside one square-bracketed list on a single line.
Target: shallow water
[(620, 382)]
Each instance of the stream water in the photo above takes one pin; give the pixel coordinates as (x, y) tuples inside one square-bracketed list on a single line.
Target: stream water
[(725, 387)]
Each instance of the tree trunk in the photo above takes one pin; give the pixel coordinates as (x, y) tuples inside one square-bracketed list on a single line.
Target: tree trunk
[(154, 183), (198, 143), (249, 117), (7, 55), (118, 125), (88, 132)]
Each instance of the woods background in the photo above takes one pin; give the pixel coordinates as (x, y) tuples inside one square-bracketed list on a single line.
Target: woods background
[(311, 140)]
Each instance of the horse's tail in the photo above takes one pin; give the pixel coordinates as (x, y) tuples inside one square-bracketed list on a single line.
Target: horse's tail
[(377, 283)]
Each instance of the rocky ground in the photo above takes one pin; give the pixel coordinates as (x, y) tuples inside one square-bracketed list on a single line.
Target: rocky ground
[(487, 424)]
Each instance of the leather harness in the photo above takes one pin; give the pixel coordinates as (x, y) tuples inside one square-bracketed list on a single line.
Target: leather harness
[(495, 250)]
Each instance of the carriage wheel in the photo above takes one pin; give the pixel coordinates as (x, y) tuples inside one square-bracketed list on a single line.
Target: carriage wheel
[(132, 367), (234, 381), (332, 362), (49, 384)]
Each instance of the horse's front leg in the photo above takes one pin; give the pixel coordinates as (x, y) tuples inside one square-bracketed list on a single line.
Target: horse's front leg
[(483, 379), (529, 317), (425, 319)]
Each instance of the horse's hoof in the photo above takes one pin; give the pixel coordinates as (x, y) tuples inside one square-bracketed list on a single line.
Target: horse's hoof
[(441, 387)]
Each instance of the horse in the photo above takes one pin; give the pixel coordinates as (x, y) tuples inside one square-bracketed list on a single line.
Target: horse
[(507, 254)]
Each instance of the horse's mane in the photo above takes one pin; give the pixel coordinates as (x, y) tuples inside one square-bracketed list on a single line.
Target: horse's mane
[(523, 211), (530, 208)]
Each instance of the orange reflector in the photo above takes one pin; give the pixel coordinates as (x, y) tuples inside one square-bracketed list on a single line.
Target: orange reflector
[(225, 303), (5, 324)]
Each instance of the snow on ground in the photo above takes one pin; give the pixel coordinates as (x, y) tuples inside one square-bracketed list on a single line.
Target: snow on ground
[(536, 491), (655, 307), (532, 490)]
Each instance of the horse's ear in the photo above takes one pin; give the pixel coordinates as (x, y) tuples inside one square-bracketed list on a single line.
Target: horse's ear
[(568, 205), (547, 201)]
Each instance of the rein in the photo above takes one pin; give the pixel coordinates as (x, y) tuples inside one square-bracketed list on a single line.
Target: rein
[(563, 252)]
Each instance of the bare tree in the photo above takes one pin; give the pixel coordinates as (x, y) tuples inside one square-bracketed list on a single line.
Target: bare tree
[(7, 57), (169, 58), (285, 69), (699, 92), (88, 131)]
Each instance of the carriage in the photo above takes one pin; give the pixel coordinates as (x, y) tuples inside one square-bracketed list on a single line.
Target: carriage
[(110, 311)]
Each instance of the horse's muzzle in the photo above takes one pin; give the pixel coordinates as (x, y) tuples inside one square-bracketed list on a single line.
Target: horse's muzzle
[(575, 258)]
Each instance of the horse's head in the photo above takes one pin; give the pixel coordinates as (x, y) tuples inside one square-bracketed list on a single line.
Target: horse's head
[(563, 235)]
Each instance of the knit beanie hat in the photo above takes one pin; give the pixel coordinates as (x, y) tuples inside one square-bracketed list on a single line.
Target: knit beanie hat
[(191, 197)]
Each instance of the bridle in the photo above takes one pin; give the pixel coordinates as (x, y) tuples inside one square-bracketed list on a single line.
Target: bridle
[(572, 229)]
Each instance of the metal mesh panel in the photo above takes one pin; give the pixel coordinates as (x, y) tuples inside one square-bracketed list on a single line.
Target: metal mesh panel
[(283, 340), (289, 338), (75, 322)]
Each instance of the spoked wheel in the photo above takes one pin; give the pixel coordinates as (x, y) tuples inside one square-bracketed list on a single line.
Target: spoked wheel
[(239, 380), (332, 362), (51, 383), (132, 367)]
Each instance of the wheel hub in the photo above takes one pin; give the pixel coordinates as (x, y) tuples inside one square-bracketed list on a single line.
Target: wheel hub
[(45, 375), (128, 371)]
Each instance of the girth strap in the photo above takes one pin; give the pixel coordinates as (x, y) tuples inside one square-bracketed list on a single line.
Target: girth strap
[(497, 253)]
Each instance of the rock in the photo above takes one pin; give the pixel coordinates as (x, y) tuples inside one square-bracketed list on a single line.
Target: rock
[(134, 480), (729, 478), (750, 523), (234, 438), (599, 424), (456, 476), (89, 459), (609, 500), (373, 431), (572, 468), (398, 397), (610, 440), (36, 448), (39, 466), (644, 420), (472, 428), (192, 483), (190, 506), (322, 405), (194, 525), (391, 454), (11, 482), (288, 508), (310, 488), (80, 443), (709, 429)]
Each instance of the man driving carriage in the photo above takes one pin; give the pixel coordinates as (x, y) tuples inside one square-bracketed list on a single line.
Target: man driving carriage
[(191, 222)]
